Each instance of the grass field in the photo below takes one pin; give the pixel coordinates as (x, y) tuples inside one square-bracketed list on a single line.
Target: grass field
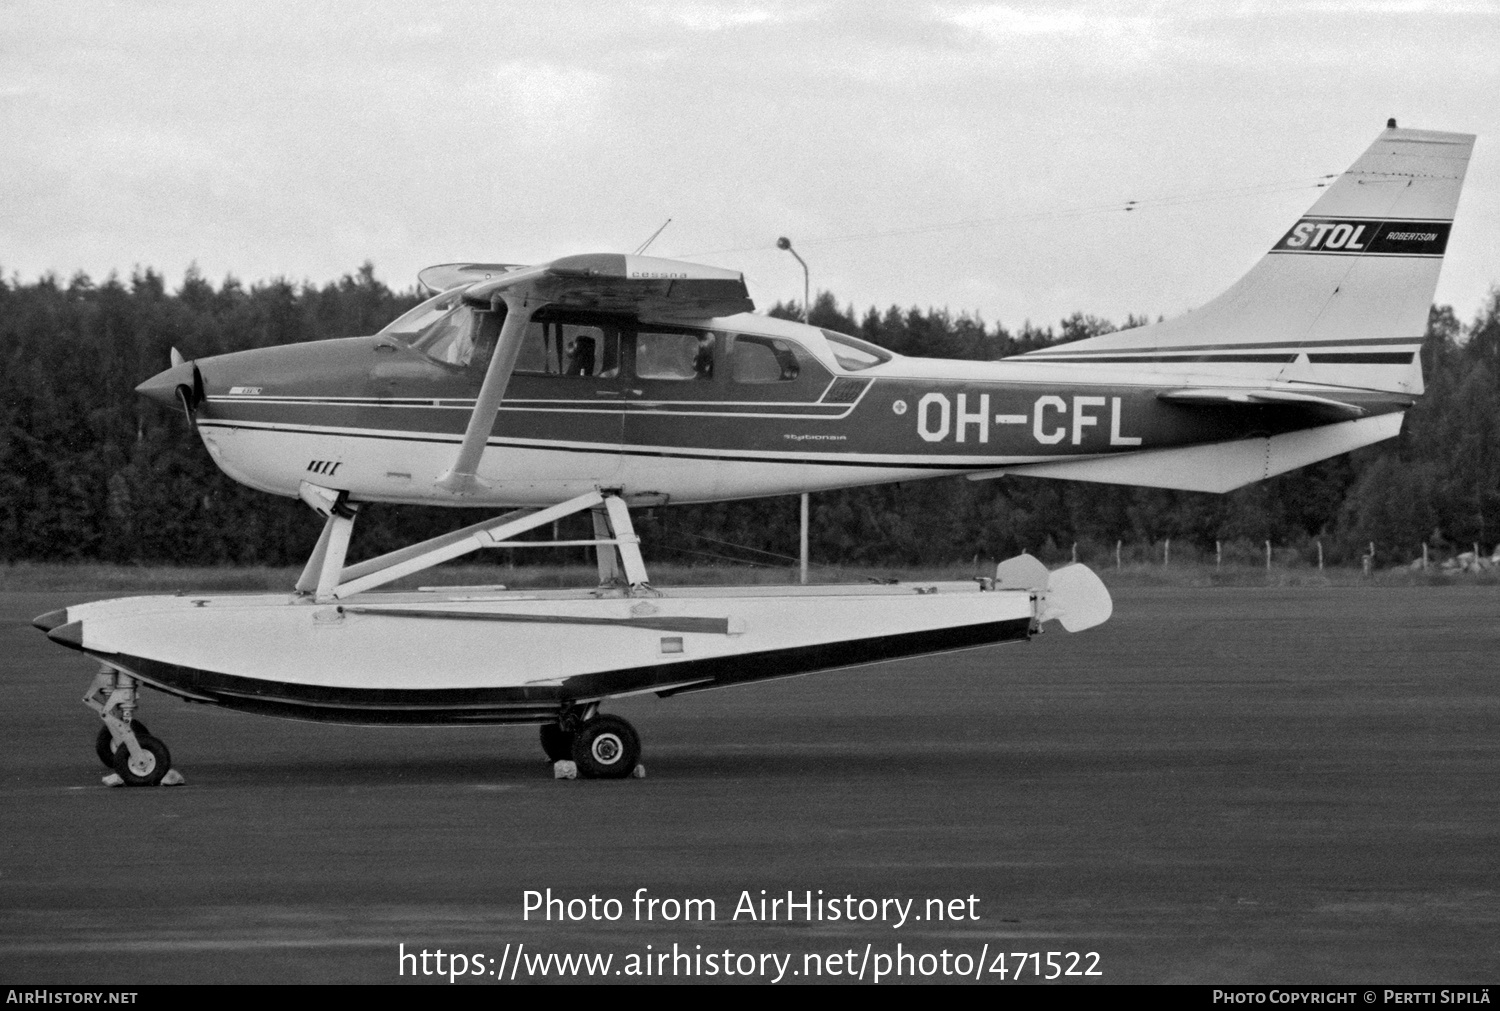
[(99, 577)]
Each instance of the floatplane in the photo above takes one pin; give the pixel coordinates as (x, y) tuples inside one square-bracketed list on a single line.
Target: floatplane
[(603, 383)]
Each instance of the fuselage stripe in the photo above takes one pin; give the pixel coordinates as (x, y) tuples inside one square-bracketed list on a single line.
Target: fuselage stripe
[(1048, 353), (955, 465)]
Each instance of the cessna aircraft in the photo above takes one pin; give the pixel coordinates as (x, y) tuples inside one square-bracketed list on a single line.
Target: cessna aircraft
[(603, 382)]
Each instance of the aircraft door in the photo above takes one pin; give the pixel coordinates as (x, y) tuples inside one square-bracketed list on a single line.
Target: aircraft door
[(569, 389), (670, 412)]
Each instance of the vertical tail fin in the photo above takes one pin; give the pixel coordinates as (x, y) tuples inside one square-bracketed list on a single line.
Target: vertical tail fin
[(1341, 299)]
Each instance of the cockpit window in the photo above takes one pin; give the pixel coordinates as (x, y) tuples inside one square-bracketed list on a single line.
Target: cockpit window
[(855, 354), (414, 321), (463, 336)]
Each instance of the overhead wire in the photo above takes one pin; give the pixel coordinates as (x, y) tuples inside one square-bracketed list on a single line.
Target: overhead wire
[(1112, 207)]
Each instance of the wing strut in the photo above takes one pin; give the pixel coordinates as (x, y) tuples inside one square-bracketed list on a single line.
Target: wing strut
[(461, 478)]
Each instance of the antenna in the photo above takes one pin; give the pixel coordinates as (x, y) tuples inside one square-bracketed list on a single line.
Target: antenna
[(642, 247)]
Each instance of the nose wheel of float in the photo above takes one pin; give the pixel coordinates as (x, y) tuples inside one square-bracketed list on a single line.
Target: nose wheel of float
[(124, 744)]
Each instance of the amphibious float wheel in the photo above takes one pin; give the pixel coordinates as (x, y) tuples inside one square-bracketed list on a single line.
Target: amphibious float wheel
[(606, 747), (104, 744), (149, 769), (557, 743)]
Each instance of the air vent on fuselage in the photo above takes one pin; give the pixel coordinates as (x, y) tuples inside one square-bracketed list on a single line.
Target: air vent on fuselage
[(844, 391)]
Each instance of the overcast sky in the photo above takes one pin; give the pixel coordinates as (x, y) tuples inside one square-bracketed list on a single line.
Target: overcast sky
[(302, 139)]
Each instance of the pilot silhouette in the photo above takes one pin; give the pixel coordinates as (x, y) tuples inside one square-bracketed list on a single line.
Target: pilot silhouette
[(580, 356)]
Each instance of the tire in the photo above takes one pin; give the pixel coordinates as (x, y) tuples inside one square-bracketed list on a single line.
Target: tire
[(606, 747), (557, 743), (148, 773), (104, 744)]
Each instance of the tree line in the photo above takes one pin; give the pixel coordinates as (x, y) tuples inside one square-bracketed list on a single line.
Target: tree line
[(91, 472)]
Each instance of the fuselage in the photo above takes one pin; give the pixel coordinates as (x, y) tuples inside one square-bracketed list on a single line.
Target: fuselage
[(688, 411)]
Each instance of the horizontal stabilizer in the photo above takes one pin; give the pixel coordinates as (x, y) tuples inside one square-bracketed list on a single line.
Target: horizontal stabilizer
[(1222, 466), (1325, 407)]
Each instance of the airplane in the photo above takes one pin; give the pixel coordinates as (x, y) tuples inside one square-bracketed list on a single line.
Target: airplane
[(604, 382)]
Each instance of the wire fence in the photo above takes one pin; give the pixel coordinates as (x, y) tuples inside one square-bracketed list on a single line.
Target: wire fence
[(1240, 553)]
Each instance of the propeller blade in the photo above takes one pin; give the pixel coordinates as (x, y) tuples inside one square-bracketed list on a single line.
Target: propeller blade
[(192, 396)]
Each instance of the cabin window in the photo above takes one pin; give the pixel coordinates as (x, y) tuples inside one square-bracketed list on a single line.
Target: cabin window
[(674, 355), (555, 348), (762, 360), (854, 354)]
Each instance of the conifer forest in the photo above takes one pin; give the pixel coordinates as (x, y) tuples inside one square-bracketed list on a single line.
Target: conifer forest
[(89, 471)]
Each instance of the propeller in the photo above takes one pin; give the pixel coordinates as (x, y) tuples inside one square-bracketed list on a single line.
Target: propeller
[(189, 395)]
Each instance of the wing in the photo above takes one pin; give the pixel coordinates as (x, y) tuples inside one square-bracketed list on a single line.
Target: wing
[(616, 282), (610, 282), (450, 275)]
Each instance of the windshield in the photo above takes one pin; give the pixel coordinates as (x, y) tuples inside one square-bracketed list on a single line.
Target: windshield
[(413, 321), (855, 354), (463, 336)]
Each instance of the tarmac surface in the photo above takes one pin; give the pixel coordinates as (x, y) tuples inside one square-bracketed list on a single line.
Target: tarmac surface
[(1219, 786)]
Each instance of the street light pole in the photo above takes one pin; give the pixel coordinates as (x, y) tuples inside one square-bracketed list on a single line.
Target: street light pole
[(786, 243)]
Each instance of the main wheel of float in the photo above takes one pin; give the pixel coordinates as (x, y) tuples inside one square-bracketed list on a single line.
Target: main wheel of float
[(104, 744), (606, 747), (147, 770), (557, 743)]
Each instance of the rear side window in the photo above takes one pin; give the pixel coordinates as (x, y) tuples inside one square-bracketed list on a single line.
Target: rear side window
[(674, 355), (854, 354), (762, 360)]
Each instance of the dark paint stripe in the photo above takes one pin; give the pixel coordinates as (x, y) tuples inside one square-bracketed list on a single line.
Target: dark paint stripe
[(830, 409), (1368, 358), (1278, 345), (712, 626), (1355, 252), (830, 460), (1127, 359)]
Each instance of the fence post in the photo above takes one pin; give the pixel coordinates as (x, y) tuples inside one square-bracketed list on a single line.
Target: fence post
[(1320, 556), (802, 540), (1218, 554), (1075, 552), (1166, 558), (1424, 556), (1117, 555), (1268, 556)]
